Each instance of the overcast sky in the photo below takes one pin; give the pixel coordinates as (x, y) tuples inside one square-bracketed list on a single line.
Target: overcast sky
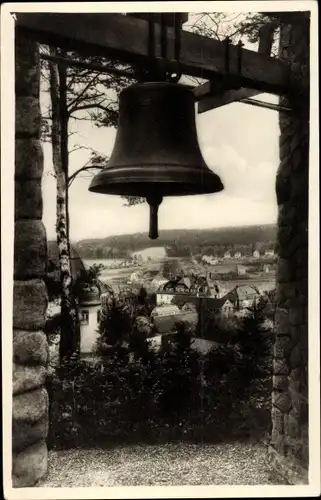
[(238, 141)]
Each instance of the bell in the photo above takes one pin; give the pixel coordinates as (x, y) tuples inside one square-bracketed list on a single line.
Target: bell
[(156, 152)]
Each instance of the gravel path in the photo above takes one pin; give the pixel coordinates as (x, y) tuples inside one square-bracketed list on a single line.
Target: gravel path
[(161, 465)]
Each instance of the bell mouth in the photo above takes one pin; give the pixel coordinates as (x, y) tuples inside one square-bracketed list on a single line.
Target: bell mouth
[(116, 181)]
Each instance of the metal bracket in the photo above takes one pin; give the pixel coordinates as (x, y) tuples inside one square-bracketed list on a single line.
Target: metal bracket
[(230, 80), (161, 68)]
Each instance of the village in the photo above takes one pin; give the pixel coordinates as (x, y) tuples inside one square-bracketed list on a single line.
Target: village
[(178, 289)]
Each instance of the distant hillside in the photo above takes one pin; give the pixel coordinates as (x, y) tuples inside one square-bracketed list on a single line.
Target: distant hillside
[(182, 242)]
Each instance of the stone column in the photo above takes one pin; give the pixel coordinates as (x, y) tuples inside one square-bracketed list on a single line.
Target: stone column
[(289, 443), (30, 352)]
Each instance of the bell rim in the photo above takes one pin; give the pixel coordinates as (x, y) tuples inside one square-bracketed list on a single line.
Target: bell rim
[(163, 185)]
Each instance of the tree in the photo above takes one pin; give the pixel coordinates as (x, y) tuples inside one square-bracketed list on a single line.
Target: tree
[(72, 91), (255, 346), (138, 343), (87, 277), (69, 339), (116, 325), (171, 268), (183, 339)]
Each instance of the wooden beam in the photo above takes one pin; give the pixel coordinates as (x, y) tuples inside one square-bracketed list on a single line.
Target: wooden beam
[(230, 96), (125, 38), (267, 105)]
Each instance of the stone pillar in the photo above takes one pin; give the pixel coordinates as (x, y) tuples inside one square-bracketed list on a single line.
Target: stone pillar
[(289, 442), (30, 352)]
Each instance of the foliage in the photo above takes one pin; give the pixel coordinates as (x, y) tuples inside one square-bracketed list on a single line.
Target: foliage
[(91, 94), (53, 287), (75, 94), (145, 303), (177, 250), (213, 326), (135, 393), (53, 323), (255, 343), (116, 324), (237, 26), (87, 277)]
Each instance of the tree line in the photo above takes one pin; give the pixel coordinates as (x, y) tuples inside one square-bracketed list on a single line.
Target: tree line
[(181, 243)]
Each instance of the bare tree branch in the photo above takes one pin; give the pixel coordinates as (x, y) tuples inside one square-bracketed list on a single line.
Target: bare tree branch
[(86, 167), (96, 106), (72, 106)]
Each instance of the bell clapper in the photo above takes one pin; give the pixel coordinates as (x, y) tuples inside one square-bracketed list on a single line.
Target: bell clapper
[(153, 201)]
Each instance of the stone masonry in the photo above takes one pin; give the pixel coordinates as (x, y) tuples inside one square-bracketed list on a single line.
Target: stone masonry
[(30, 352), (289, 442)]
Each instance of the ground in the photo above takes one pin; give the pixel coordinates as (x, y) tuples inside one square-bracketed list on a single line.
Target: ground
[(235, 463)]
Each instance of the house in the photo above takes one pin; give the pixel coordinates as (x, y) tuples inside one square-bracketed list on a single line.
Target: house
[(135, 277), (237, 255), (246, 295), (256, 254), (183, 285), (166, 292), (194, 285), (163, 298), (227, 255), (138, 258), (90, 300), (209, 259), (157, 282), (269, 253), (165, 310), (201, 286), (164, 318), (170, 285), (219, 307), (241, 270), (164, 342), (242, 296)]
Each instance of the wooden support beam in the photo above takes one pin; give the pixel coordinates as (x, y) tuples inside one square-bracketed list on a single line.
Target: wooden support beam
[(228, 97), (267, 105), (125, 38), (221, 98)]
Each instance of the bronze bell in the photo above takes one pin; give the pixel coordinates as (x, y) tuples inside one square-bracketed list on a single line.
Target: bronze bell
[(156, 152)]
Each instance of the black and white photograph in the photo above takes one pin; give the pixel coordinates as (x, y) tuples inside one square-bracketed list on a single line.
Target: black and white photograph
[(160, 249)]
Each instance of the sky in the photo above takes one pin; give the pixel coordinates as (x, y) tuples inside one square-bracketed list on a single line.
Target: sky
[(239, 142)]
